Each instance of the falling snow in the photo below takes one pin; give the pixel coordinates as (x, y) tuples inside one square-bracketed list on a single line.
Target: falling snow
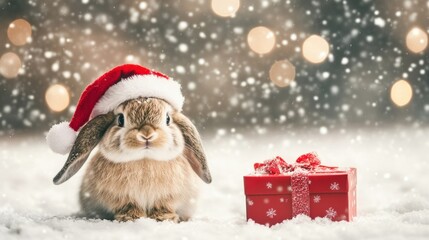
[(379, 22), (195, 45)]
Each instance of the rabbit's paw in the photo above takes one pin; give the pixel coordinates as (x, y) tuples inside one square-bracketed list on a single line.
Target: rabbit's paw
[(163, 214), (129, 213)]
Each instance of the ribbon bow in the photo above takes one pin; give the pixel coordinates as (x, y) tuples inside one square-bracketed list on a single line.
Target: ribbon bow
[(308, 162), (299, 178)]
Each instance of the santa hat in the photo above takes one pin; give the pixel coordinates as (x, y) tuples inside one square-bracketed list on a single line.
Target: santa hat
[(107, 92)]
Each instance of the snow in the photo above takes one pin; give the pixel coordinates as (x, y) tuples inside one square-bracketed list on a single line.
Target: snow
[(379, 22), (393, 198), (183, 48), (180, 69), (143, 5), (323, 130), (182, 25)]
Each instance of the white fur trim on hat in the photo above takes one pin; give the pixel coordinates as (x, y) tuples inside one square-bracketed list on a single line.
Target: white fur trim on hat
[(140, 86), (61, 138)]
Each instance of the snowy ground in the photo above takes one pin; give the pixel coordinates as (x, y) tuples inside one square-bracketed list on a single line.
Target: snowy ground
[(393, 197)]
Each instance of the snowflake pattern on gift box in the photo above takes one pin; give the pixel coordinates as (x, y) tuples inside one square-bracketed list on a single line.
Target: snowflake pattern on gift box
[(269, 185), (271, 213), (250, 202), (331, 213), (335, 186), (316, 199)]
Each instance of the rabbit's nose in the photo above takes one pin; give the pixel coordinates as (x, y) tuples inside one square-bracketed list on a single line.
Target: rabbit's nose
[(147, 133), (146, 137)]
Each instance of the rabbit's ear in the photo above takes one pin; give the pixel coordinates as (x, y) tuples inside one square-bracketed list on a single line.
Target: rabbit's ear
[(194, 151), (88, 137)]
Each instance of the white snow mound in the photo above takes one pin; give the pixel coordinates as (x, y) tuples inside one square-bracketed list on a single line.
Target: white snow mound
[(393, 197)]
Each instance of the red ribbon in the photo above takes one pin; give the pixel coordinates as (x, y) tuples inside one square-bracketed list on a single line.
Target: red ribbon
[(299, 179), (308, 162)]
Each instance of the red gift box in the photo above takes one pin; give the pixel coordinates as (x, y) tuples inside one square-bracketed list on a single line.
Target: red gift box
[(279, 191)]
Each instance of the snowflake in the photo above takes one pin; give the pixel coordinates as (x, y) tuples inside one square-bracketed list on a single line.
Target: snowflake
[(316, 199), (269, 185), (331, 213), (335, 186), (282, 200), (271, 213), (250, 202)]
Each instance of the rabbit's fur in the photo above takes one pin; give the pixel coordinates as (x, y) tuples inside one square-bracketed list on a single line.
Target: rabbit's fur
[(145, 168)]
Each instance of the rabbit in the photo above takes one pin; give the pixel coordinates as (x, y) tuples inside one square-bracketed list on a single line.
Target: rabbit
[(147, 164)]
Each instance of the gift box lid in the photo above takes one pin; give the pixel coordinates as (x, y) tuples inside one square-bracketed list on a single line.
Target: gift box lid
[(331, 181)]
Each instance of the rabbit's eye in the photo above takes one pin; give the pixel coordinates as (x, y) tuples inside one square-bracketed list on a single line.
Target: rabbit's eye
[(168, 119), (121, 120)]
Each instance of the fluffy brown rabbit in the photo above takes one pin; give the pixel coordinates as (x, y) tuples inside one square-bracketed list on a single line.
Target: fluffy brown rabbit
[(147, 164)]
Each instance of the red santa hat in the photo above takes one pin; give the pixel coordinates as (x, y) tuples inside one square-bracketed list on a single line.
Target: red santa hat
[(107, 92)]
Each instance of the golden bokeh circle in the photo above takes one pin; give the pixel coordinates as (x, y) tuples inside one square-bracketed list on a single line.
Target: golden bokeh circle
[(416, 40), (282, 73), (401, 93), (261, 40), (225, 8), (19, 32), (10, 64), (57, 97), (315, 49)]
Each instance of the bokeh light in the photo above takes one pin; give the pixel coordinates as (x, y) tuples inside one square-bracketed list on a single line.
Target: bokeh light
[(261, 40), (282, 73), (416, 40), (19, 32), (225, 8), (10, 64), (57, 97), (315, 49), (401, 93)]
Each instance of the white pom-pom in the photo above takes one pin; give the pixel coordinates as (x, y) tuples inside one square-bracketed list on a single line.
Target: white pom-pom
[(61, 138)]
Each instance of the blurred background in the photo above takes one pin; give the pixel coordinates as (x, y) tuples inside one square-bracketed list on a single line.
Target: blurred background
[(250, 65)]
